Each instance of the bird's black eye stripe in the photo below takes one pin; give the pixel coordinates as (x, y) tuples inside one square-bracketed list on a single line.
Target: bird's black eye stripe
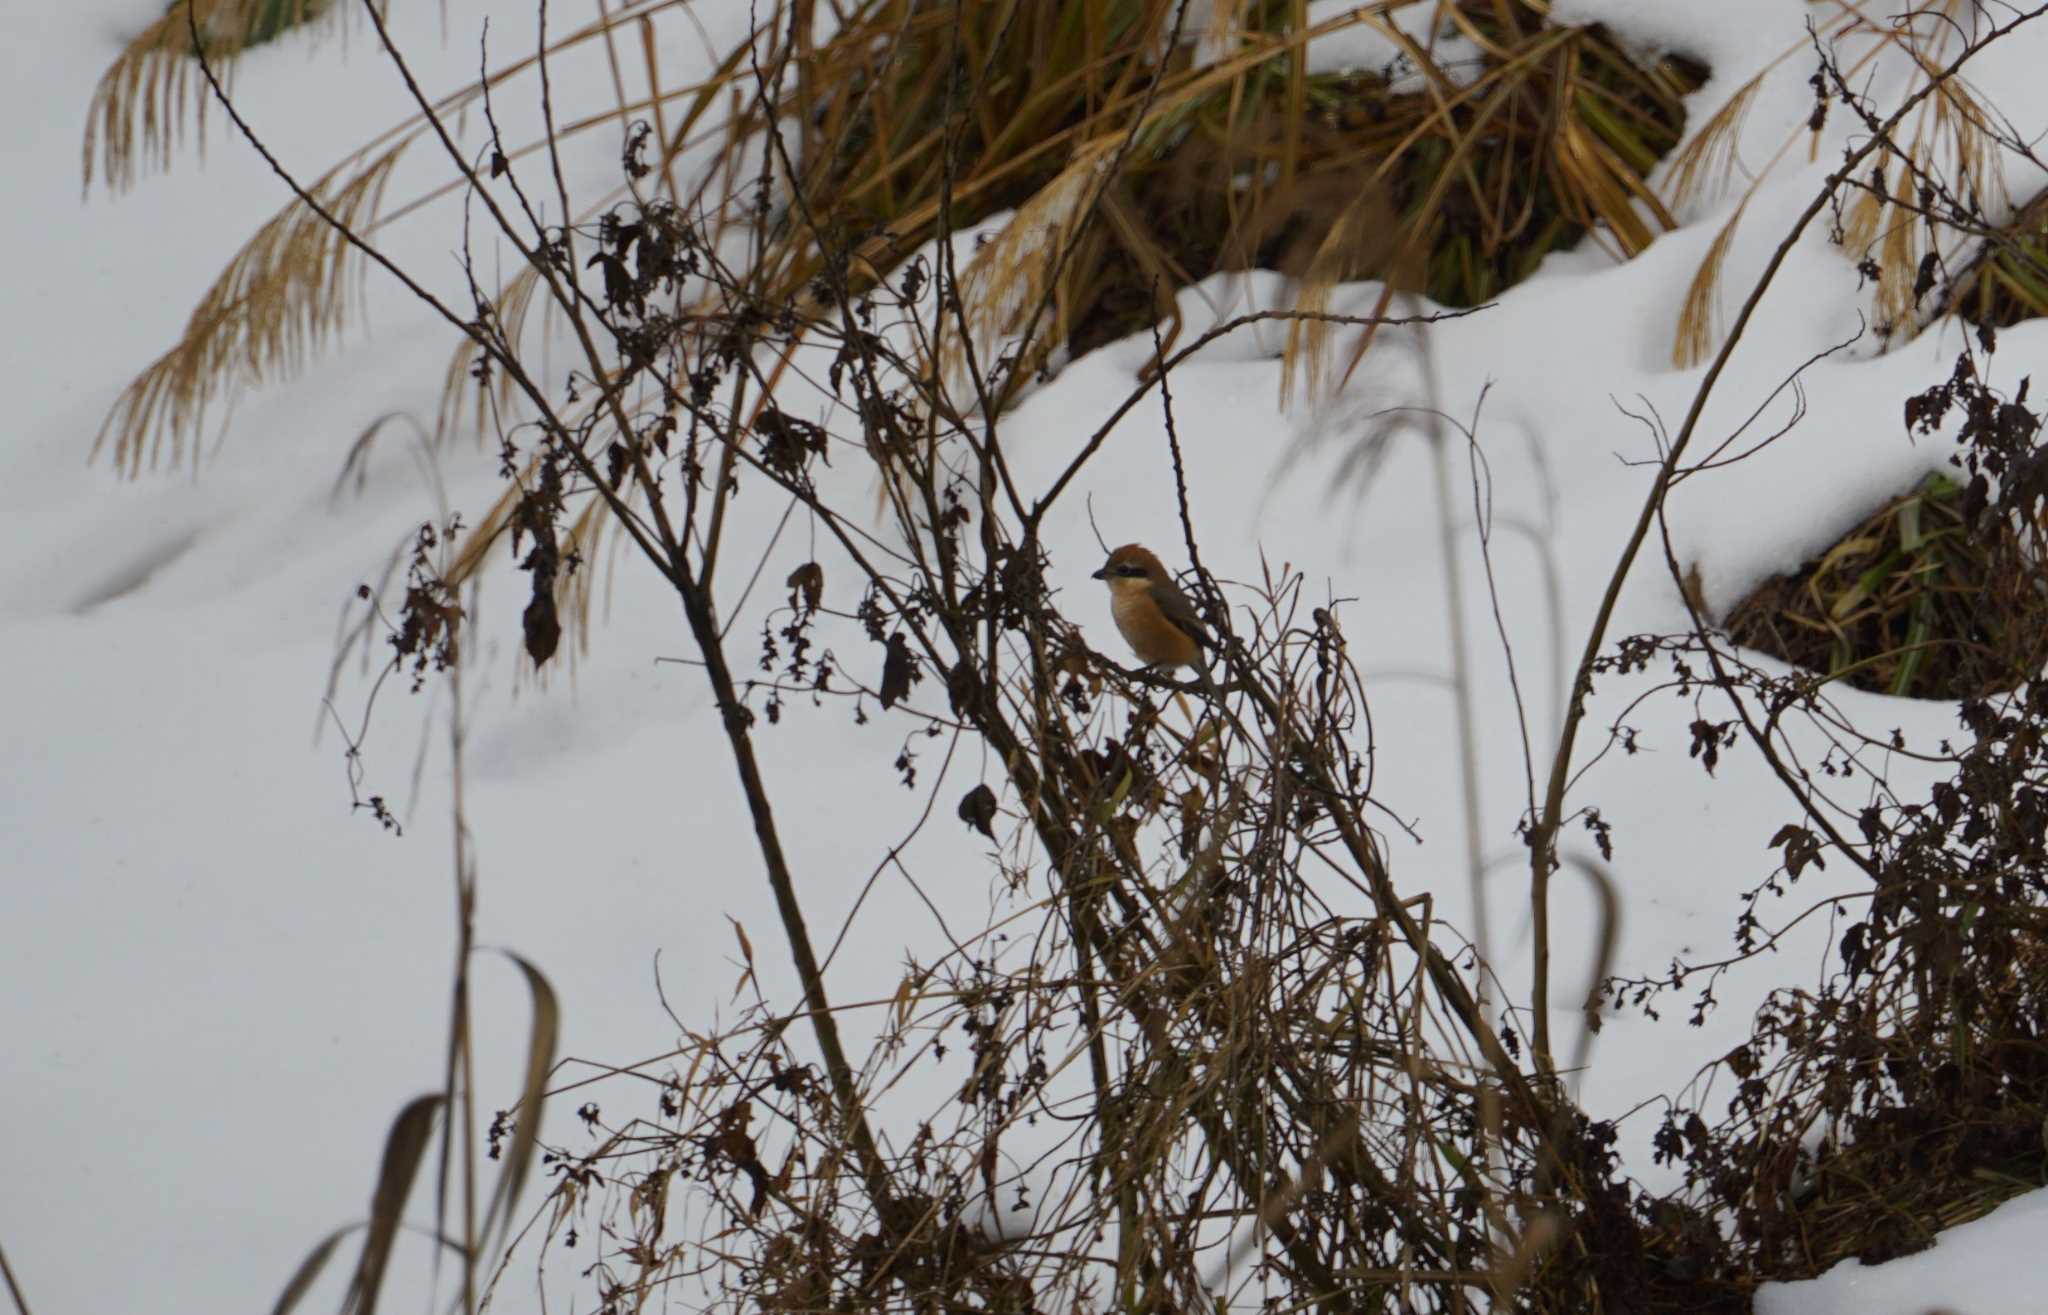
[(1129, 569)]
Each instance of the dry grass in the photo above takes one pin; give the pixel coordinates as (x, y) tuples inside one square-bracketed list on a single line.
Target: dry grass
[(1451, 179), (291, 288), (1131, 174), (2006, 281), (153, 90), (1913, 601), (1478, 179), (1949, 135)]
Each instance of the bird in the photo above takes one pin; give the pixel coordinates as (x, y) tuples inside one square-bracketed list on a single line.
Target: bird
[(1153, 615)]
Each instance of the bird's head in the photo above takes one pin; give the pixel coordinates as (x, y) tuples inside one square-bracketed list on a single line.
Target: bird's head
[(1131, 568)]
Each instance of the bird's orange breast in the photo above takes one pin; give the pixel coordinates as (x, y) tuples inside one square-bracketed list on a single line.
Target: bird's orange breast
[(1156, 640)]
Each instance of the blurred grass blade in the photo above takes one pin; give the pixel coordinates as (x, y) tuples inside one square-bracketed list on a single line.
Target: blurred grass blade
[(309, 1269), (540, 1061), (13, 1287), (403, 1151), (1910, 537)]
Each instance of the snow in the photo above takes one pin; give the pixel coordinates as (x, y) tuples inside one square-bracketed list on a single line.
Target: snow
[(214, 971), (1366, 45), (1985, 1267)]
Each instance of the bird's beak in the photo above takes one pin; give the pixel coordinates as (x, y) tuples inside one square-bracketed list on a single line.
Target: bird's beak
[(1102, 574)]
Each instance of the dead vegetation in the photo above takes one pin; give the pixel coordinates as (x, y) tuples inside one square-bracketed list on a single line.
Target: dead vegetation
[(1887, 220), (1488, 140), (2006, 280), (1918, 600), (1906, 1092), (1208, 1052), (153, 92)]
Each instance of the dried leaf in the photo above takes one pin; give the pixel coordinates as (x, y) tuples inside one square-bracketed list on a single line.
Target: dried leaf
[(308, 1270), (806, 587), (899, 669), (978, 810), (746, 954), (543, 625)]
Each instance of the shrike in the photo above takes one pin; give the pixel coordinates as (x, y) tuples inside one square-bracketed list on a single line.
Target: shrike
[(1153, 615)]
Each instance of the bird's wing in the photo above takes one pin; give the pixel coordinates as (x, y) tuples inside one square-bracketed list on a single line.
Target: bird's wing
[(1182, 613)]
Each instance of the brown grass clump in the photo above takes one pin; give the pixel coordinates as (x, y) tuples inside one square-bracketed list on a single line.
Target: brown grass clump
[(1457, 188), (2007, 279), (1132, 170), (1916, 600)]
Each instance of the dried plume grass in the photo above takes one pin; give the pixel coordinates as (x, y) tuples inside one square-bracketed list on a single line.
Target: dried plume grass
[(293, 286), (296, 283), (153, 91), (1949, 132)]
